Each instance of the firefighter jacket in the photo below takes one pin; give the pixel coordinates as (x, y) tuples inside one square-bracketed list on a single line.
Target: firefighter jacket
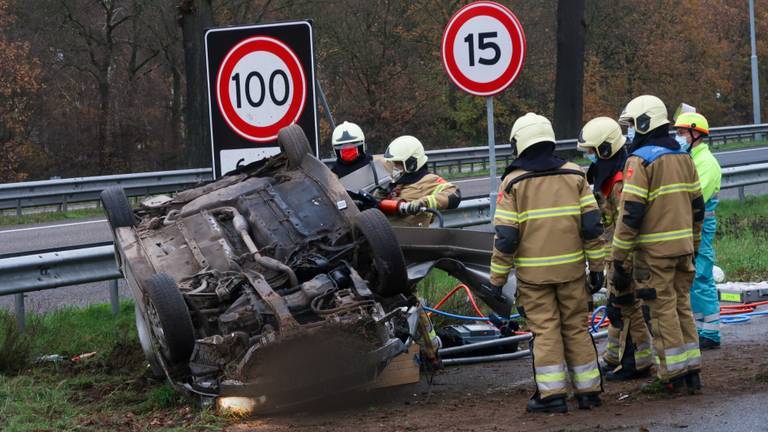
[(609, 200), (546, 224), (661, 205), (430, 190)]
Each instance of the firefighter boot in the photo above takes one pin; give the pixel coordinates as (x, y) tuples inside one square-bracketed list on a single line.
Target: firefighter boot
[(672, 387), (555, 404), (588, 401), (693, 382)]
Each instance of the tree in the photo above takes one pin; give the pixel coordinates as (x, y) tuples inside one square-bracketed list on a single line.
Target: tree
[(19, 85), (194, 17), (569, 82)]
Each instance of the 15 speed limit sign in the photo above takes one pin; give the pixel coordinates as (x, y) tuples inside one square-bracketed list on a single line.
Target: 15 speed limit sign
[(483, 48), (260, 80)]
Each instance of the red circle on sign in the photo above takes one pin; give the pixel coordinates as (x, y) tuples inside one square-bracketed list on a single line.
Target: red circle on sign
[(295, 71), (510, 23)]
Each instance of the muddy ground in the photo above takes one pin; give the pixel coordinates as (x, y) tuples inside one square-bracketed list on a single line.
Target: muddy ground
[(492, 397)]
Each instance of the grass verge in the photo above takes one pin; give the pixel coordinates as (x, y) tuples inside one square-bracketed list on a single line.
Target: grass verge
[(742, 232), (110, 390), (53, 216)]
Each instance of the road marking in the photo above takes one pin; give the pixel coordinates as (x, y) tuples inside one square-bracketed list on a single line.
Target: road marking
[(53, 226), (741, 151)]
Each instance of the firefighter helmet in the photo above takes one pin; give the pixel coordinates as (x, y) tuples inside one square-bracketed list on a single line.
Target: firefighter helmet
[(645, 113), (602, 134), (408, 150), (530, 129)]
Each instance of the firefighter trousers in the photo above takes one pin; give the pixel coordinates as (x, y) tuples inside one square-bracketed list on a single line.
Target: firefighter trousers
[(563, 349), (664, 286), (630, 345)]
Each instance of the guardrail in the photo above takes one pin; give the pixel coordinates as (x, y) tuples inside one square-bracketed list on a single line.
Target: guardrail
[(38, 271), (65, 191)]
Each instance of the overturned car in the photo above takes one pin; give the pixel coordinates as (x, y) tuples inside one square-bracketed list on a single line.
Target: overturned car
[(271, 283)]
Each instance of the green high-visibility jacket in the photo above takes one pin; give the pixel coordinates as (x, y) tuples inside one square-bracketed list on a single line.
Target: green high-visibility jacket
[(708, 169)]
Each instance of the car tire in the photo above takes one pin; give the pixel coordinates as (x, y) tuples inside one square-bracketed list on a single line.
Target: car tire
[(169, 319), (388, 276), (117, 207), (294, 144)]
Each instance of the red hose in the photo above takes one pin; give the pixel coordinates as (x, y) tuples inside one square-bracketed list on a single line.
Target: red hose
[(469, 296), (741, 308)]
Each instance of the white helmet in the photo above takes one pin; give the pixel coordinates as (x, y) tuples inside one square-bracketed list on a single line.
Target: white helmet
[(531, 129), (408, 150), (645, 113), (602, 134), (347, 134)]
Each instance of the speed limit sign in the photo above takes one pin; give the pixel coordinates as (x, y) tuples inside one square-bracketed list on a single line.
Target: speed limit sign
[(483, 48), (260, 79), (483, 51)]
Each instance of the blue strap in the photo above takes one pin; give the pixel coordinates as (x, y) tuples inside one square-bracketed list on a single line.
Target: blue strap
[(650, 153)]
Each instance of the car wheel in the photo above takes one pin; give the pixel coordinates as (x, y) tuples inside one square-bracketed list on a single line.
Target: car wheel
[(145, 340), (169, 320), (117, 207), (294, 144), (380, 260)]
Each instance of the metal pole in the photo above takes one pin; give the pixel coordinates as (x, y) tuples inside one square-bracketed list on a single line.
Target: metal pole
[(491, 156), (113, 297), (755, 81), (500, 357), (18, 300), (486, 344), (324, 101)]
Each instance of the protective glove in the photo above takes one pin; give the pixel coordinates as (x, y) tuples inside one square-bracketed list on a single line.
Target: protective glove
[(495, 290), (596, 281), (614, 314), (412, 207), (621, 279)]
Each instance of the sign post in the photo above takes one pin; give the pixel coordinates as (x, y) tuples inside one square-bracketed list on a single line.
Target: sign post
[(483, 51), (261, 78)]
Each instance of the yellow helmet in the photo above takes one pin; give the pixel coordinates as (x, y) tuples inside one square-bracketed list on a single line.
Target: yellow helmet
[(645, 113), (531, 129), (408, 150), (692, 120), (604, 135)]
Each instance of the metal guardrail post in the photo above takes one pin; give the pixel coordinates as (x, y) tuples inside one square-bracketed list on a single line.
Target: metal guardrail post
[(18, 300), (742, 197), (114, 299)]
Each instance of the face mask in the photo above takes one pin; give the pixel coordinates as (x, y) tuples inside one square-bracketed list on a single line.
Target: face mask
[(684, 146), (396, 174), (349, 154), (591, 157), (631, 134)]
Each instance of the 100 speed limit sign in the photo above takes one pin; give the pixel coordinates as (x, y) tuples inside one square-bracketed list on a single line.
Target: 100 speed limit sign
[(260, 88), (483, 48)]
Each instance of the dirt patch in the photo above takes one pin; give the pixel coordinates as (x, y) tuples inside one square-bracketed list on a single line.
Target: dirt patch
[(475, 405)]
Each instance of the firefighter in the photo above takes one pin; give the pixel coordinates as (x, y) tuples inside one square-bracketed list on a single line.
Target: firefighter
[(659, 221), (628, 353), (349, 146), (546, 222), (692, 128), (414, 189)]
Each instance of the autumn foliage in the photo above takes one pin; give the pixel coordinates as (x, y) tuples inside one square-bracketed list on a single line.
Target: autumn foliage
[(93, 87)]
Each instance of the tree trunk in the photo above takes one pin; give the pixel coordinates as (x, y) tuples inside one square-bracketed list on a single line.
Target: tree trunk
[(569, 83), (194, 17), (174, 145)]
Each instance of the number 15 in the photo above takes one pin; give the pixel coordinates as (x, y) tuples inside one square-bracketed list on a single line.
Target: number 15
[(483, 45)]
